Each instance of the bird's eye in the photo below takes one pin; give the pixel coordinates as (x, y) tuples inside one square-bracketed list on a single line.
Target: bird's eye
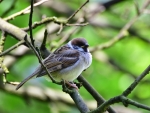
[(75, 47), (84, 46)]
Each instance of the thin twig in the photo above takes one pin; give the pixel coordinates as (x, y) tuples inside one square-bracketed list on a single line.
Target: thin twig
[(12, 48), (43, 51), (30, 23), (46, 20), (3, 78), (118, 99), (2, 42), (40, 60), (72, 31), (77, 11), (60, 29), (126, 101), (55, 20), (5, 69), (44, 39), (24, 11), (135, 83), (78, 24), (137, 8), (67, 35)]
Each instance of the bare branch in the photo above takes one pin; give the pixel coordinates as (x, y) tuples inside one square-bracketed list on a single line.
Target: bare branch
[(12, 48), (30, 23), (135, 83), (79, 101), (77, 11), (24, 11)]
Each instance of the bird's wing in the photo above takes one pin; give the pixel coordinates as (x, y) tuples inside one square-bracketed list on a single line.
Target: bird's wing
[(60, 60)]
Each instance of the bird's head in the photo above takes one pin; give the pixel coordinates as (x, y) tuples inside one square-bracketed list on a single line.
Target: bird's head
[(79, 44)]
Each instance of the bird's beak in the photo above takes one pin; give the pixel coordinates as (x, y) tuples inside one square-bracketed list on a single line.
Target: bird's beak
[(87, 45)]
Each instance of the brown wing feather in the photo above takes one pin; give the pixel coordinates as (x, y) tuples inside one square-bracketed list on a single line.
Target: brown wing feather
[(60, 60)]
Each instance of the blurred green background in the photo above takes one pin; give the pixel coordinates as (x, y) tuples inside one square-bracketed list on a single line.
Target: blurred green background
[(113, 69)]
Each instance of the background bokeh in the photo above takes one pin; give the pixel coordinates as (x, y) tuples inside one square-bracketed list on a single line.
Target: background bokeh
[(113, 69)]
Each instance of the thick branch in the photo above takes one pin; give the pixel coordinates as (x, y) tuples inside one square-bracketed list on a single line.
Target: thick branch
[(79, 101), (12, 30)]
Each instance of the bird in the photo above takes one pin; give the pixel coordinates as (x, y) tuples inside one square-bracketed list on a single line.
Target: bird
[(65, 63)]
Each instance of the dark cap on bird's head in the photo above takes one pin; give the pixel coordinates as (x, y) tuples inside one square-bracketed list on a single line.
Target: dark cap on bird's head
[(80, 42)]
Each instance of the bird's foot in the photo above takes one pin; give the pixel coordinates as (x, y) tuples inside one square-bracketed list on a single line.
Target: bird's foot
[(71, 85), (68, 85)]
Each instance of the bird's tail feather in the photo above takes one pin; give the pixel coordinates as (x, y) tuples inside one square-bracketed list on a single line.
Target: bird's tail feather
[(25, 80), (38, 71)]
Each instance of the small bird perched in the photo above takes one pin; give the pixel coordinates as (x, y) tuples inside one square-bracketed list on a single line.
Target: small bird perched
[(65, 63)]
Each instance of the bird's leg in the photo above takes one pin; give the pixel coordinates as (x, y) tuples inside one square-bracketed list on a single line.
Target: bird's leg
[(65, 88), (71, 84)]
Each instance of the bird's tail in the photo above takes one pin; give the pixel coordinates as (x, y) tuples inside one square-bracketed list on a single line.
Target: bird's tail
[(38, 71), (25, 80)]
